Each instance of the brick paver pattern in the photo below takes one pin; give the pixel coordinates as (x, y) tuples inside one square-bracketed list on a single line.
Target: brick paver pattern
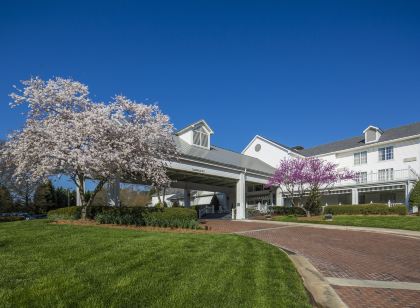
[(346, 254), (372, 297)]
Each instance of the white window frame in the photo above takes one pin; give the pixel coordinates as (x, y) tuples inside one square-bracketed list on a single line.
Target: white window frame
[(386, 174), (360, 158), (202, 137), (386, 153), (361, 177)]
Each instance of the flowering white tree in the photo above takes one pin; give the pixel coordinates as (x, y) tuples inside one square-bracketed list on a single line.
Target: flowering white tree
[(67, 133)]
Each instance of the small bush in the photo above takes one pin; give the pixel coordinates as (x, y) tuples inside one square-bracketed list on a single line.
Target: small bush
[(72, 212), (11, 218), (252, 213), (283, 210), (365, 209)]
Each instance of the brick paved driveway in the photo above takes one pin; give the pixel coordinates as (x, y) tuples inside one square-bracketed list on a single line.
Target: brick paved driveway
[(346, 254)]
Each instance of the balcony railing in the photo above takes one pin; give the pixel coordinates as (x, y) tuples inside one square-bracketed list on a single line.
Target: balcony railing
[(380, 177)]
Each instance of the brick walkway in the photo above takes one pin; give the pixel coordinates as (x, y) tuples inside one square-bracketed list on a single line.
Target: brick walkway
[(346, 254)]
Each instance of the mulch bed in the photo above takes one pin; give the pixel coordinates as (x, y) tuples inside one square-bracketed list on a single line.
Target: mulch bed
[(88, 222)]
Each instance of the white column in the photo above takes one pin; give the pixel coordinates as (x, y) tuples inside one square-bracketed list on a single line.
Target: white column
[(354, 196), (279, 197), (240, 197), (408, 187), (187, 198), (113, 192)]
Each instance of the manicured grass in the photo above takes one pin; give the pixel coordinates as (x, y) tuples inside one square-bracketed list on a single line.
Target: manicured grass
[(392, 222), (45, 265)]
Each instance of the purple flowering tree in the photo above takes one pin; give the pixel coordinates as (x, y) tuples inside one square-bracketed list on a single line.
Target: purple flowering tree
[(290, 178), (297, 176)]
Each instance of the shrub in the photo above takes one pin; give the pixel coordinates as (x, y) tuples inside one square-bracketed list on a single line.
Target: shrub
[(11, 218), (283, 210), (72, 212), (197, 208), (163, 217), (365, 209), (252, 212), (215, 202), (139, 216), (415, 195), (398, 210)]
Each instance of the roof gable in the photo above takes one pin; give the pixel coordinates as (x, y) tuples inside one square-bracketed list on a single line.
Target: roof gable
[(199, 123), (274, 143)]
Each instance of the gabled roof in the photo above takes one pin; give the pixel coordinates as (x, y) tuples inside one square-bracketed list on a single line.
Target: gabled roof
[(372, 127), (275, 143), (222, 156), (191, 126), (387, 135)]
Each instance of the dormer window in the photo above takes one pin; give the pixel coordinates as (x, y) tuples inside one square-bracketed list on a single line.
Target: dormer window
[(197, 134), (200, 137), (372, 134)]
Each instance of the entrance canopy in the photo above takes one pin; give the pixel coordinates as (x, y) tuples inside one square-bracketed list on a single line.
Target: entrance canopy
[(203, 166)]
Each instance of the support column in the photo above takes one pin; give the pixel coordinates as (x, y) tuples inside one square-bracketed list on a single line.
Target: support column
[(113, 192), (408, 187), (187, 198), (240, 197), (354, 196), (279, 197)]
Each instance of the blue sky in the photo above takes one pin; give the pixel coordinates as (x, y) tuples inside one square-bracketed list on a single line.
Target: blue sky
[(299, 72)]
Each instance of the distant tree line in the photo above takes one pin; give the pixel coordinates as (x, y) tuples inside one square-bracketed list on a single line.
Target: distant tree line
[(45, 198)]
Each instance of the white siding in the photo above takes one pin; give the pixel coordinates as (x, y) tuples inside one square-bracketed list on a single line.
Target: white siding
[(269, 152), (402, 150)]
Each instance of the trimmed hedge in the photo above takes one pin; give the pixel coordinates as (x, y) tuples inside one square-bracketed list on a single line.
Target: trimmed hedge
[(162, 217), (365, 209), (72, 212), (139, 216), (11, 218), (284, 211)]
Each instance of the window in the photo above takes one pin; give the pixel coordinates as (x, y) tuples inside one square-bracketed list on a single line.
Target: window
[(386, 153), (200, 137), (360, 158), (386, 174), (361, 177)]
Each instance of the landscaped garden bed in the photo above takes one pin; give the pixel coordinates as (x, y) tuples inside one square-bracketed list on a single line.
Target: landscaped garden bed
[(51, 265), (136, 216)]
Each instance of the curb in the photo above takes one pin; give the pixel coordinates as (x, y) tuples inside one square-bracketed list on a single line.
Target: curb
[(318, 287)]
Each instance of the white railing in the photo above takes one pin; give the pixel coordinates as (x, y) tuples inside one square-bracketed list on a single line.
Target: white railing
[(208, 209), (377, 177)]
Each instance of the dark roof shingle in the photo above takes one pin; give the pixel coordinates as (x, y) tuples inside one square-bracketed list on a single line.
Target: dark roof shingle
[(388, 135)]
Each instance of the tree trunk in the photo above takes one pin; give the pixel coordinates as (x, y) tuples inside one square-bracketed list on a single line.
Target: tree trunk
[(158, 194), (80, 183), (163, 197)]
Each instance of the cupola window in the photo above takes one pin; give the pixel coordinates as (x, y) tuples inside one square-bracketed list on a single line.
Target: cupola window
[(200, 137)]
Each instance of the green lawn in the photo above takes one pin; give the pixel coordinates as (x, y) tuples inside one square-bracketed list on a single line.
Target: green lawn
[(48, 265), (392, 222)]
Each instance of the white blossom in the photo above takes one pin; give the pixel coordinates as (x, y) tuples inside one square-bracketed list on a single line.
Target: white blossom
[(67, 133)]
